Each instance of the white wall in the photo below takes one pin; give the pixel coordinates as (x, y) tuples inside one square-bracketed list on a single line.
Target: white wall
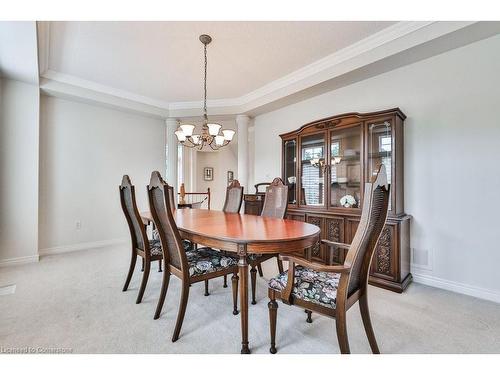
[(226, 159), (19, 114), (84, 151), (452, 156)]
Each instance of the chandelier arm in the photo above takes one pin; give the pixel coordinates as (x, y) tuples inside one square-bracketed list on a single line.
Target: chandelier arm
[(190, 144)]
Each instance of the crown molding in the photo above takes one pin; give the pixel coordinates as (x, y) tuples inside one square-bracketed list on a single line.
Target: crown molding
[(383, 45), (70, 87)]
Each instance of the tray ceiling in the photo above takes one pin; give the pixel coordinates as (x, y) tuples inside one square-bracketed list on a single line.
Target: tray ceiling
[(164, 60)]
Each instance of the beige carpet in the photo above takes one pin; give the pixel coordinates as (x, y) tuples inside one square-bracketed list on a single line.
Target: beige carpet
[(75, 301)]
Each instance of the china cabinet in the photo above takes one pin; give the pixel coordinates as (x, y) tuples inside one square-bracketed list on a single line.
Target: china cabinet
[(326, 163)]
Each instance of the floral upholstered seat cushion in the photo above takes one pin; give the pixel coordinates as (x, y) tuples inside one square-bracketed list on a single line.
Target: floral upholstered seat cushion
[(185, 243), (206, 260), (155, 247), (310, 285)]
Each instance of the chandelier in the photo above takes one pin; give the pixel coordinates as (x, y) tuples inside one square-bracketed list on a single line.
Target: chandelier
[(211, 134)]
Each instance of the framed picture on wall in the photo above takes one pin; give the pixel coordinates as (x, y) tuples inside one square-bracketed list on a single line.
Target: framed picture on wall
[(208, 174), (230, 177)]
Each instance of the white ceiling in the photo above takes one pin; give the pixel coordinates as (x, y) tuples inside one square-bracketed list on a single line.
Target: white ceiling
[(164, 60)]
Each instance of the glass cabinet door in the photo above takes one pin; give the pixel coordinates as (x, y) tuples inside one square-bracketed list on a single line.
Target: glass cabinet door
[(380, 150), (312, 173), (345, 167), (290, 169)]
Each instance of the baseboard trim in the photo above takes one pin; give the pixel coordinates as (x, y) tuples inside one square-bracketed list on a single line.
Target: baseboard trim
[(81, 246), (19, 261), (456, 287)]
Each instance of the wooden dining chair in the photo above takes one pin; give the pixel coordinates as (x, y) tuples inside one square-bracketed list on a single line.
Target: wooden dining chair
[(332, 289), (191, 266), (171, 196), (232, 204), (148, 250), (234, 197), (275, 205)]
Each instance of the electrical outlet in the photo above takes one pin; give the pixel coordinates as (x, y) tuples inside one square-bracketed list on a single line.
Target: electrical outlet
[(78, 225)]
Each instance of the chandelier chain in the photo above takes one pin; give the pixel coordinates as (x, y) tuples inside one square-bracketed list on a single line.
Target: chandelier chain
[(205, 84)]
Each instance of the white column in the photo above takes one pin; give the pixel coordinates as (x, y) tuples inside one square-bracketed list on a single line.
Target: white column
[(242, 121), (171, 176)]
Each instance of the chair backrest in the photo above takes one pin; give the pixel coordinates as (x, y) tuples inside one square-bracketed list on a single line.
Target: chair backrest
[(129, 207), (276, 200), (373, 217), (162, 213), (171, 197), (234, 197)]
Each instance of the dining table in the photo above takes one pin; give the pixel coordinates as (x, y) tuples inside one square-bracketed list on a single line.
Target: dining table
[(243, 234)]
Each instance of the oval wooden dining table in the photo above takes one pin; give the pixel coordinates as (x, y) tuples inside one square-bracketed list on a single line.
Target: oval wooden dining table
[(243, 234)]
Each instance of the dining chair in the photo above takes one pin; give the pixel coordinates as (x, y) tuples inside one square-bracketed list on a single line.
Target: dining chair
[(234, 197), (275, 205), (171, 196), (232, 204), (148, 250), (332, 289), (189, 266)]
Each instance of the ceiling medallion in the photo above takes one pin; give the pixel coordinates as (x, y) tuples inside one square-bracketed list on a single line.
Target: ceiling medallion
[(211, 136)]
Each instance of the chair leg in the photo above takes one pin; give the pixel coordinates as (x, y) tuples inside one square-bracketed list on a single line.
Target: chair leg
[(225, 282), (253, 276), (159, 266), (206, 288), (163, 293), (280, 264), (342, 331), (259, 268), (309, 313), (130, 271), (142, 268), (234, 282), (145, 276), (273, 315), (182, 311), (365, 315)]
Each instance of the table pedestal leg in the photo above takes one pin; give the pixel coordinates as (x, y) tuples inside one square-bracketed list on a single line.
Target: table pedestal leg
[(243, 274)]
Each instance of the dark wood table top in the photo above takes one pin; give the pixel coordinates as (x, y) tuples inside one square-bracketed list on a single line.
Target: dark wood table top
[(260, 234)]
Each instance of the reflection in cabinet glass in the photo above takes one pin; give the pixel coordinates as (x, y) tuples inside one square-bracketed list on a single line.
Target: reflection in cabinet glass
[(312, 170), (290, 169), (345, 167)]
